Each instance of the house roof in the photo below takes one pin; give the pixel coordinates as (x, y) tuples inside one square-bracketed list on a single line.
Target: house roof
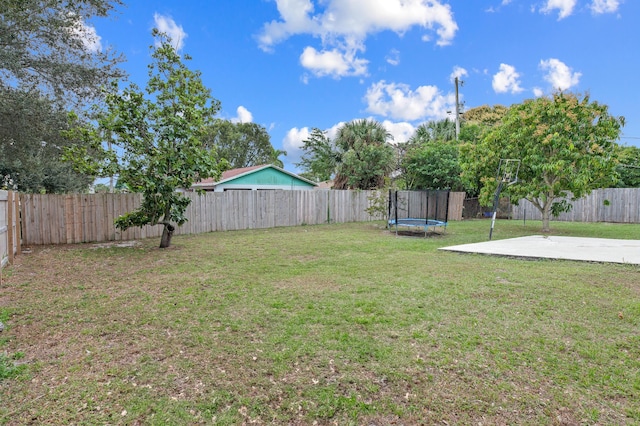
[(233, 174), (227, 174)]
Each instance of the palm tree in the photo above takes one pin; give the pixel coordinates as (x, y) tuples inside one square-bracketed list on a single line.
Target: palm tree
[(434, 131), (366, 157)]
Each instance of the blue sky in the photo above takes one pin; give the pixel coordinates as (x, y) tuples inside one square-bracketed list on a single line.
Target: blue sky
[(291, 65)]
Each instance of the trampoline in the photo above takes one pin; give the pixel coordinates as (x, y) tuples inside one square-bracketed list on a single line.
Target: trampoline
[(424, 210)]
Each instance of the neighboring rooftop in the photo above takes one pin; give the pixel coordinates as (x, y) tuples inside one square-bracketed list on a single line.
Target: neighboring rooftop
[(262, 177)]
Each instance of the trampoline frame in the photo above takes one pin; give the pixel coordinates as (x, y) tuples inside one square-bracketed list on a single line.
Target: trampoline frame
[(439, 219)]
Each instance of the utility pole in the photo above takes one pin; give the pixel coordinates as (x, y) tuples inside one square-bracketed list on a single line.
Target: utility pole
[(457, 81)]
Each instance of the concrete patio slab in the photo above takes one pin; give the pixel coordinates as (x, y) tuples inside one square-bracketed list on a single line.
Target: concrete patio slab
[(552, 247)]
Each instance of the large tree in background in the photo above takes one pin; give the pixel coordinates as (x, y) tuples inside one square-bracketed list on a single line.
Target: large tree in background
[(566, 144), (31, 145), (429, 159), (486, 115), (160, 133), (432, 165), (242, 144), (629, 167), (478, 122), (320, 157), (365, 155), (46, 45), (360, 156), (50, 62)]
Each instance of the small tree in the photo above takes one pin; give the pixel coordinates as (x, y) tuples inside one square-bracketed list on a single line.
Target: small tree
[(320, 157), (160, 137), (566, 145)]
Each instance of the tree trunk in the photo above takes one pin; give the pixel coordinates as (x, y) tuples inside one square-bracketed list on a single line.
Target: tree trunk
[(546, 213), (167, 233)]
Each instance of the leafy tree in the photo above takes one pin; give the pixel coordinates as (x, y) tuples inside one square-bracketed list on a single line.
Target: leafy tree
[(46, 46), (365, 156), (565, 143), (101, 188), (320, 157), (360, 157), (471, 133), (160, 136), (49, 62), (429, 159), (486, 115), (31, 145), (432, 165), (243, 144), (629, 167)]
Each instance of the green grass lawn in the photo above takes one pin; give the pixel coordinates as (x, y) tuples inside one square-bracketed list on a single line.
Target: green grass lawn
[(334, 324)]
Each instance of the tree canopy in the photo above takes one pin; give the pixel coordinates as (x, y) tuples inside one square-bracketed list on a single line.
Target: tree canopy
[(432, 165), (47, 45), (51, 62), (629, 167), (432, 131), (429, 159), (320, 157), (242, 144), (31, 145), (160, 133), (486, 115), (365, 156), (360, 156), (566, 144)]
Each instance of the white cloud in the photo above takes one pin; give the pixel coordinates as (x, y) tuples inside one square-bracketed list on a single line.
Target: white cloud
[(166, 25), (537, 92), (293, 141), (343, 26), (458, 72), (243, 115), (87, 34), (334, 62), (492, 9), (358, 18), (559, 75), (564, 7), (332, 131), (295, 20), (401, 131), (604, 6), (507, 80), (398, 101), (393, 58)]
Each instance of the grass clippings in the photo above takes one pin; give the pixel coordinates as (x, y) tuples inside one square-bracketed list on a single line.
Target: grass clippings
[(334, 324)]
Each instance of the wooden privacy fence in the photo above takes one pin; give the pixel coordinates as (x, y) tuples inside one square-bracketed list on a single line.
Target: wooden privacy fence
[(620, 205), (9, 227), (78, 218)]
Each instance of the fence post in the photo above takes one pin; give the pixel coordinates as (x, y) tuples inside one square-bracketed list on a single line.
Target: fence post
[(10, 225)]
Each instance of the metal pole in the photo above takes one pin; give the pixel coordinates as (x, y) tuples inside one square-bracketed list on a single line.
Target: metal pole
[(496, 201), (457, 111)]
